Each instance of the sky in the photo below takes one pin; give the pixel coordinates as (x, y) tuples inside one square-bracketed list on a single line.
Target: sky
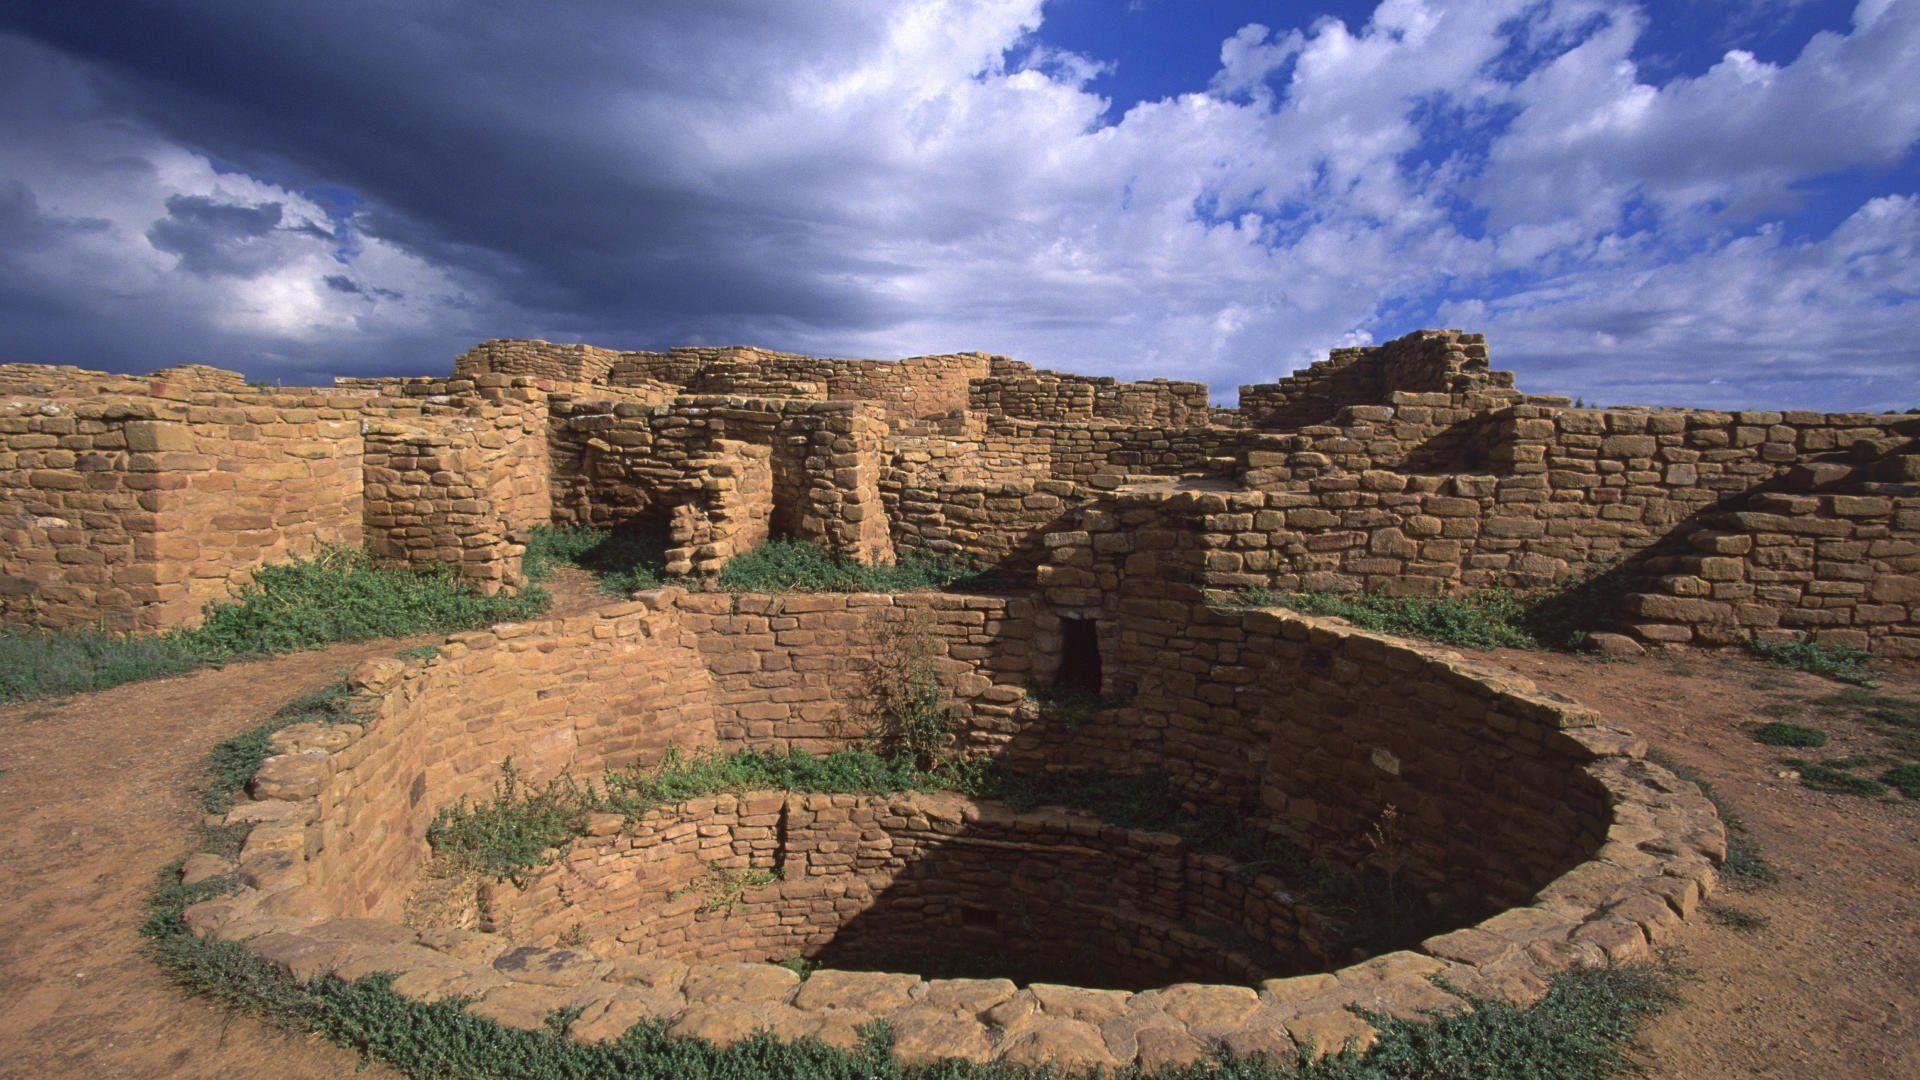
[(1703, 202)]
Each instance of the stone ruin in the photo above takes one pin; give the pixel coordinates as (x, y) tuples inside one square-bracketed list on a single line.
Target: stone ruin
[(1411, 467), (1529, 838)]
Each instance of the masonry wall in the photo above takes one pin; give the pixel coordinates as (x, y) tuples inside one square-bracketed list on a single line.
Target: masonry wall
[(909, 882), (134, 514), (1446, 361), (1384, 751), (581, 695)]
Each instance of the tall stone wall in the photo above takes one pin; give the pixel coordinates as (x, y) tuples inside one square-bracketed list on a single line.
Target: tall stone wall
[(133, 513)]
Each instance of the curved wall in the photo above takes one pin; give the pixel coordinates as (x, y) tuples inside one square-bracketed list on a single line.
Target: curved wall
[(922, 881)]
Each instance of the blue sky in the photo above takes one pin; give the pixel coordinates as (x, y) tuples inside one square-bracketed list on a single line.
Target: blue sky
[(1706, 202)]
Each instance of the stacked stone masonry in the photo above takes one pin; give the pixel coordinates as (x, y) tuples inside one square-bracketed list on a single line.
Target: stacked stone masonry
[(1540, 840), (1410, 467)]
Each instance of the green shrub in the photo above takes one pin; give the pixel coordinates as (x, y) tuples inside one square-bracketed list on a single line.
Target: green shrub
[(338, 595), (1833, 777), (1490, 619), (1905, 779), (623, 562), (793, 566), (56, 663), (1781, 733), (1842, 663)]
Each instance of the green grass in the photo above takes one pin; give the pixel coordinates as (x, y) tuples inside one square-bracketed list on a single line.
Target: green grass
[(1903, 778), (1745, 866), (793, 566), (1841, 663), (622, 562), (338, 595), (521, 826), (625, 563), (1781, 733), (1833, 777), (1490, 619)]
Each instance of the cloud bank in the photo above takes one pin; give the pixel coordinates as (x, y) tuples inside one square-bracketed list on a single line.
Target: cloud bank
[(303, 190)]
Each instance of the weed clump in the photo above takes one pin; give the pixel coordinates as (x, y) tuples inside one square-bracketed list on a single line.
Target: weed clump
[(1842, 663), (622, 562), (1835, 778), (794, 566), (1781, 733), (338, 595), (1903, 778)]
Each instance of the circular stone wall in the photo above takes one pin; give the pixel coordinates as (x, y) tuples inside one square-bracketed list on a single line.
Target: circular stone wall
[(1534, 839), (928, 882)]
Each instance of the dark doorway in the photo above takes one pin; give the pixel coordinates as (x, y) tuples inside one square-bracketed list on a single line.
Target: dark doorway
[(1079, 656)]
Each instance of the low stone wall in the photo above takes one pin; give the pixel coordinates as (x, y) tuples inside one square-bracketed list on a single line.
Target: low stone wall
[(1506, 797), (913, 881)]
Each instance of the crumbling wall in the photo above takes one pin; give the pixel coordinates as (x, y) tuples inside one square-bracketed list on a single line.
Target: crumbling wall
[(1424, 361)]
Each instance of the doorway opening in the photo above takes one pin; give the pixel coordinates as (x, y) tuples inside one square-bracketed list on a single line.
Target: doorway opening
[(1079, 656)]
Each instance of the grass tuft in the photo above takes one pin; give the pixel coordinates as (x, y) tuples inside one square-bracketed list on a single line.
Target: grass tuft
[(338, 595), (1841, 663), (793, 566), (1833, 777), (1781, 733), (622, 562), (1496, 618), (1903, 778)]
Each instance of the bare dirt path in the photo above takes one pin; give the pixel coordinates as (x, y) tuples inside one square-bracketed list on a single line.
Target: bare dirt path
[(1828, 984), (97, 796)]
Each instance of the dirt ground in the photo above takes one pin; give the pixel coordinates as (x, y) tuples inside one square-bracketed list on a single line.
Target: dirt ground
[(1828, 984), (96, 796)]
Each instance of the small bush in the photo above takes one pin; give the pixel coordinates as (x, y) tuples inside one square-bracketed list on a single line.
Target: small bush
[(1841, 663), (1491, 619), (793, 566), (1785, 734), (56, 663), (338, 595), (1905, 779), (623, 562), (1833, 777)]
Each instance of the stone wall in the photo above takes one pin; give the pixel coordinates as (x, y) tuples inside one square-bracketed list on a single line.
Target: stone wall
[(913, 881), (134, 513), (1424, 361), (339, 811), (719, 475), (1410, 467), (1057, 397)]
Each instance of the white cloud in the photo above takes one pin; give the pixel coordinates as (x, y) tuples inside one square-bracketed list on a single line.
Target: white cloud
[(886, 178)]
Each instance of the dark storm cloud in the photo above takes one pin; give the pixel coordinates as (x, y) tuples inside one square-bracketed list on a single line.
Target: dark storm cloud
[(217, 238), (489, 147)]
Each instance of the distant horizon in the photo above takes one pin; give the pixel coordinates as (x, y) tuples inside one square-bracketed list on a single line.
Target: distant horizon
[(1713, 203)]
